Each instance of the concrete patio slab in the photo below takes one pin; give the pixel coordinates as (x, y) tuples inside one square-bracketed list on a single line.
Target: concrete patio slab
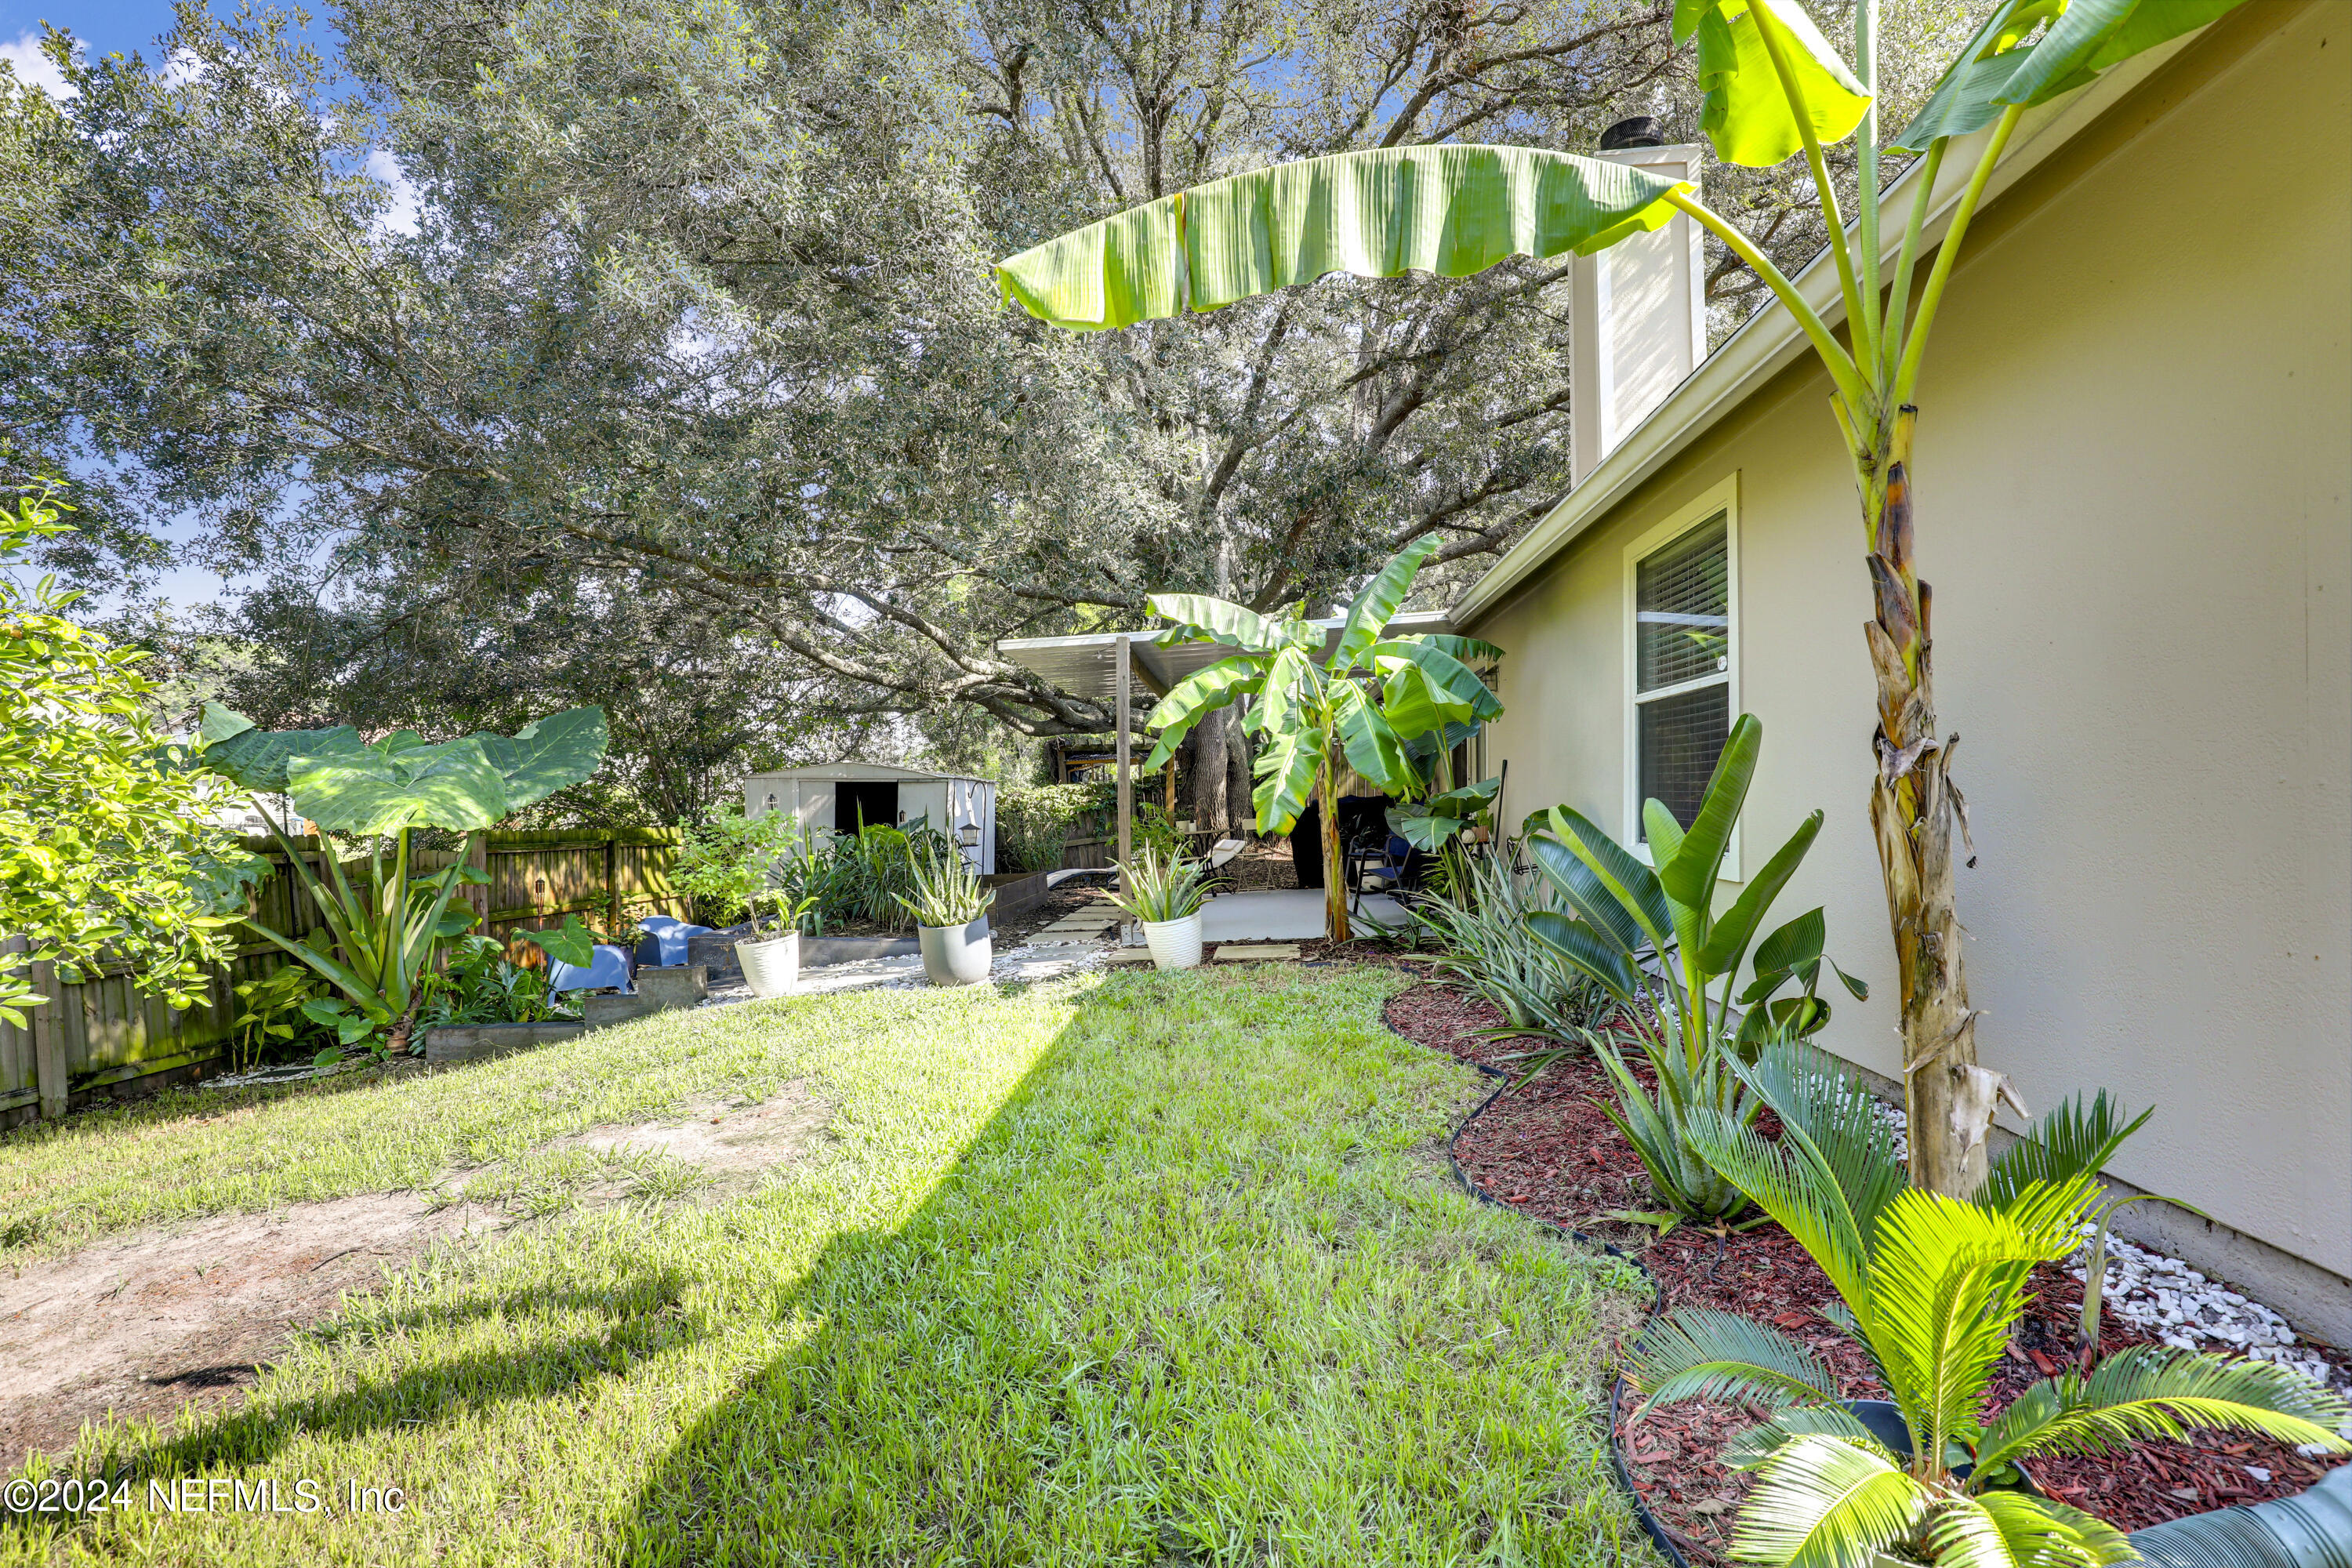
[(1285, 914)]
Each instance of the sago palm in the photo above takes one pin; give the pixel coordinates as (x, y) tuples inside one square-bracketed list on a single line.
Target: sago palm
[(1931, 1287)]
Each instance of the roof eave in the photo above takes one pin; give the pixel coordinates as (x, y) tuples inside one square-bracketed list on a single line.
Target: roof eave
[(1770, 341)]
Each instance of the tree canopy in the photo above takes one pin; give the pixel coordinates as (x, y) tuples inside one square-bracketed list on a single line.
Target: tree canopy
[(655, 347)]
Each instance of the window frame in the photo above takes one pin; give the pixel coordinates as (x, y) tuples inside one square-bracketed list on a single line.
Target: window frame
[(1722, 500)]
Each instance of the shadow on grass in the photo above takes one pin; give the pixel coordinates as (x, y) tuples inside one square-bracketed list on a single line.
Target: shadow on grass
[(644, 1318)]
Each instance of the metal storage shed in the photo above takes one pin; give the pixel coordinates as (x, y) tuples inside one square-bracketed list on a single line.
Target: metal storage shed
[(835, 797)]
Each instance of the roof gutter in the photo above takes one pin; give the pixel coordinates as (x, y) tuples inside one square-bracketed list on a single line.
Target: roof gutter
[(1770, 341)]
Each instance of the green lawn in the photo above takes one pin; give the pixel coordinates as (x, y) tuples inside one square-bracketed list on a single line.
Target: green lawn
[(1145, 1269)]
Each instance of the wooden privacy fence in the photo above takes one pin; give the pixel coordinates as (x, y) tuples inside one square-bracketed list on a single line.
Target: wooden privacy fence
[(103, 1036)]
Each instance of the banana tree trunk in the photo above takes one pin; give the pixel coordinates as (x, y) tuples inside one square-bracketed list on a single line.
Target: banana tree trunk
[(1335, 869), (1914, 806)]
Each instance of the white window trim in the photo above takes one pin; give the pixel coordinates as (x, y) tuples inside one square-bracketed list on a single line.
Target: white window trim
[(1724, 498)]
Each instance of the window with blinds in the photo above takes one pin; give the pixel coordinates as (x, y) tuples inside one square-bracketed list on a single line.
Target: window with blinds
[(1681, 666)]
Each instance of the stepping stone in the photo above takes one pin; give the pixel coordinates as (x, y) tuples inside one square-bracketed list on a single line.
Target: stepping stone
[(1258, 952), (1130, 955)]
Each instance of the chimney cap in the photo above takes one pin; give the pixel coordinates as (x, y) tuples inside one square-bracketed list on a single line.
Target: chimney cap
[(1640, 131)]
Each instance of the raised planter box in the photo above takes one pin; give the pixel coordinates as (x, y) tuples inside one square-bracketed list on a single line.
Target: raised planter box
[(1015, 891), (818, 950), (604, 1012), (479, 1042), (676, 985)]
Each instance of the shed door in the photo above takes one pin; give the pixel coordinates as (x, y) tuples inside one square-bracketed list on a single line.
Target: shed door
[(926, 800), (868, 801)]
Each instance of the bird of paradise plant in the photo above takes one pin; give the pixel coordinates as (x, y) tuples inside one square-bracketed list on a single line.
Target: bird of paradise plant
[(1774, 88)]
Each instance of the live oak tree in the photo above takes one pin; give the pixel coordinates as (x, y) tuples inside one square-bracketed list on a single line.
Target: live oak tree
[(688, 306), (1774, 89)]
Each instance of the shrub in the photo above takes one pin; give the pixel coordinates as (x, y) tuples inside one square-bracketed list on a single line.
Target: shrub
[(104, 842), (1482, 927), (722, 862), (1031, 821)]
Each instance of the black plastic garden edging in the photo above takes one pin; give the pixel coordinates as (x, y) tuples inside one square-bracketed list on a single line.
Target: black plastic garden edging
[(2310, 1529), (1650, 1524)]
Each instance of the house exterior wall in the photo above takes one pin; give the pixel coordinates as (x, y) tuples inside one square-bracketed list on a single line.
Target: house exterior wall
[(2134, 472)]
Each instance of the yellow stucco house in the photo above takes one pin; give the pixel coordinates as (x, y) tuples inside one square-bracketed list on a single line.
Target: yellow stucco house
[(2134, 468)]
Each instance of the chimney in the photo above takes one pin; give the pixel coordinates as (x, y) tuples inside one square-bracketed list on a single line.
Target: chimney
[(1639, 312)]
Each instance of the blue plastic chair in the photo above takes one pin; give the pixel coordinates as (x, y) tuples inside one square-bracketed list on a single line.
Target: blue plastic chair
[(609, 967), (664, 943)]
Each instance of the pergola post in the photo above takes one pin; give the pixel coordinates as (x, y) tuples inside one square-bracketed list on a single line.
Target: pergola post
[(1126, 776)]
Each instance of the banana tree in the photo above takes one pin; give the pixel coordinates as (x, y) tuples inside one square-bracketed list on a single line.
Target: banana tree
[(1307, 715), (377, 943), (1774, 88)]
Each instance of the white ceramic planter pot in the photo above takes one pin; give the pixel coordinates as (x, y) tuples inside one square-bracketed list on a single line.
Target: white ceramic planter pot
[(1174, 944), (957, 955), (771, 966)]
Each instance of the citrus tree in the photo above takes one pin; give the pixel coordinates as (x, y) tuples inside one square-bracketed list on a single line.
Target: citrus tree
[(107, 850), (1774, 89), (1308, 714)]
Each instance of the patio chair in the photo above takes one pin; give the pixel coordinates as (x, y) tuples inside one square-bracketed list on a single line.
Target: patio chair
[(663, 942), (608, 968)]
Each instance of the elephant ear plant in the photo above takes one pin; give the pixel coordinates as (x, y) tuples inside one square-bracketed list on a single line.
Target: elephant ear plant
[(378, 941), (1650, 940), (1774, 88), (1932, 1288)]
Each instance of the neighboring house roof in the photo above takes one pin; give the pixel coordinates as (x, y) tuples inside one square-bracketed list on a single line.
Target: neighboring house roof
[(1770, 341), (1086, 664)]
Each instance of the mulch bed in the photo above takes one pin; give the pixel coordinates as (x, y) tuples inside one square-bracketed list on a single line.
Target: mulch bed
[(1545, 1147)]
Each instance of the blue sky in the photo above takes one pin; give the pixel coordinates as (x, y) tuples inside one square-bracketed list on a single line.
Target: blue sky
[(105, 26), (109, 26)]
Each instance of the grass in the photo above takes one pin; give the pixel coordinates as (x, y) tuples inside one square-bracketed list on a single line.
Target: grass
[(1150, 1269)]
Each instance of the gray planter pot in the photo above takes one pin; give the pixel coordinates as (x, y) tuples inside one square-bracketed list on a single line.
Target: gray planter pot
[(957, 955), (772, 966)]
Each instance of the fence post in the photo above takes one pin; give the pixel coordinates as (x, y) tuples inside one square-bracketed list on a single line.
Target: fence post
[(478, 858), (49, 1043), (613, 884)]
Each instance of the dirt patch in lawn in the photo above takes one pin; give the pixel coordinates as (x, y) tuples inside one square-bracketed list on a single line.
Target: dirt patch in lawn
[(732, 1145), (1548, 1148), (158, 1322)]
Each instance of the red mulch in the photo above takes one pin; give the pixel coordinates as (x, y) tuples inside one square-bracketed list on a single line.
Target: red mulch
[(1547, 1148)]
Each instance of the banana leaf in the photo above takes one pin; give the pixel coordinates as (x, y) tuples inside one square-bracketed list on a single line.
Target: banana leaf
[(1369, 616), (1453, 210), (1195, 697), (1744, 110), (1996, 70)]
